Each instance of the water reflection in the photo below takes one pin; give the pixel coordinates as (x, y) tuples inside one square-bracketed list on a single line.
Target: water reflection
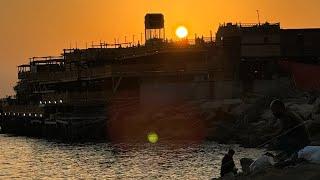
[(22, 157)]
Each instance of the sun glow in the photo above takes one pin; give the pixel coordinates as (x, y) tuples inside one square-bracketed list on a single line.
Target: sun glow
[(182, 32)]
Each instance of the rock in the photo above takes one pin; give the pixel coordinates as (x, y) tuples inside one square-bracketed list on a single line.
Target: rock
[(305, 171), (310, 153), (251, 123), (302, 110), (240, 109), (313, 127), (245, 164), (312, 97), (259, 124), (316, 107)]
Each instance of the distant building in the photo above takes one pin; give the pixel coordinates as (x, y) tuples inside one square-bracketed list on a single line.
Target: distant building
[(301, 44), (256, 41), (269, 41), (256, 46)]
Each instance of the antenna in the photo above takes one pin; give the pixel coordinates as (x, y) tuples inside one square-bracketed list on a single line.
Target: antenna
[(141, 36), (258, 13)]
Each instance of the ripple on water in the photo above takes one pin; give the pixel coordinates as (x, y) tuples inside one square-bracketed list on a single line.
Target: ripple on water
[(26, 157)]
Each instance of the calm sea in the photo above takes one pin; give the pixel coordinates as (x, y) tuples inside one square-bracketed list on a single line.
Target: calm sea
[(29, 158)]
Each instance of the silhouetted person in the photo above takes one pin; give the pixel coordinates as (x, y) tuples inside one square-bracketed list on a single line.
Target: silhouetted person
[(292, 135), (227, 164)]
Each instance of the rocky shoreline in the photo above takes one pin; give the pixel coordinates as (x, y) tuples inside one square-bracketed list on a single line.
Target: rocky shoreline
[(249, 122), (305, 171)]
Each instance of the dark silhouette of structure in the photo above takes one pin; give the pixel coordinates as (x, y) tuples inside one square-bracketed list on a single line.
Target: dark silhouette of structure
[(75, 95)]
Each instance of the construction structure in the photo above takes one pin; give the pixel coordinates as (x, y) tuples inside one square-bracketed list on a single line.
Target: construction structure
[(78, 94)]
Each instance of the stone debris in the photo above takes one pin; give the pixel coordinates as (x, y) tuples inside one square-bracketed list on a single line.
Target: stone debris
[(248, 122)]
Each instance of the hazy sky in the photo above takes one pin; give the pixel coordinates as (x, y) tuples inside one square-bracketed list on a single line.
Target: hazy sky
[(44, 27)]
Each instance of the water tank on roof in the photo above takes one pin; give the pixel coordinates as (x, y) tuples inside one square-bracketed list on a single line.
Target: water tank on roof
[(154, 21), (154, 29)]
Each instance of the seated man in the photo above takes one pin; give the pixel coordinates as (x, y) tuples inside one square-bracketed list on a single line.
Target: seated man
[(293, 134), (227, 165)]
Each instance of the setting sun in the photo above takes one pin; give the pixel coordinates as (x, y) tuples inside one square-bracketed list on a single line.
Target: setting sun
[(182, 32)]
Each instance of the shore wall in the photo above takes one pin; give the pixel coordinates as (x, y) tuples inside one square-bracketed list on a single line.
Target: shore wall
[(161, 93)]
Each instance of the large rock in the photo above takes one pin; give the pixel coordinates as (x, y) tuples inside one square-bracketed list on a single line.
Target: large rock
[(245, 165)]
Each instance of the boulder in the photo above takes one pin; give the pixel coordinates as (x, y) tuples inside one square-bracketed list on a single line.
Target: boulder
[(245, 165)]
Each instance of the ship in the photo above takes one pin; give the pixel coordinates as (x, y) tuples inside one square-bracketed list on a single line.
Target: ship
[(86, 93)]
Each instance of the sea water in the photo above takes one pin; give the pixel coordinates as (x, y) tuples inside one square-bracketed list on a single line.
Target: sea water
[(30, 158)]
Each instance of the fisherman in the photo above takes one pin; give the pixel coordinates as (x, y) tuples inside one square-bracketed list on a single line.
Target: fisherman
[(292, 135), (228, 168)]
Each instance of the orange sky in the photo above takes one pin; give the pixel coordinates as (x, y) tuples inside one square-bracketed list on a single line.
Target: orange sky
[(44, 27)]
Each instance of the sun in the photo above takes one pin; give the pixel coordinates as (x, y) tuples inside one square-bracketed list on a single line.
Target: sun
[(182, 32)]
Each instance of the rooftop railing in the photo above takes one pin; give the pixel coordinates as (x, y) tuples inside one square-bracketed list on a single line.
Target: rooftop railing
[(46, 58), (104, 45), (249, 24)]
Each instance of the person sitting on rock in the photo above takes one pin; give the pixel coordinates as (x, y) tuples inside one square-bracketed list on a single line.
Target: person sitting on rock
[(227, 166), (292, 135)]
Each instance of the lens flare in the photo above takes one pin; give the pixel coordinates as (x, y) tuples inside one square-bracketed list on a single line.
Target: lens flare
[(153, 137)]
